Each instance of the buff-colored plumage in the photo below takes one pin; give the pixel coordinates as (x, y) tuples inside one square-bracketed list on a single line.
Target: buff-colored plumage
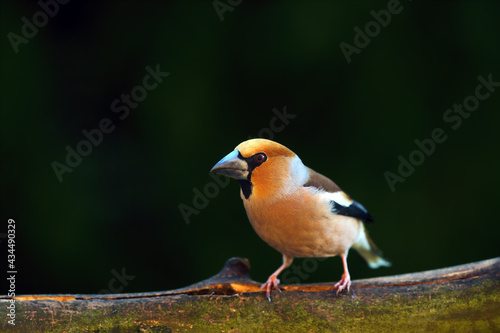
[(296, 210)]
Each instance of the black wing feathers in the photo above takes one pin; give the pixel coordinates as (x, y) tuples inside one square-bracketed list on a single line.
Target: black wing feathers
[(355, 210)]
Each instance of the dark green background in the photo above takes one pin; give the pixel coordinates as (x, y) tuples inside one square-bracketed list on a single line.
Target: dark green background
[(119, 208)]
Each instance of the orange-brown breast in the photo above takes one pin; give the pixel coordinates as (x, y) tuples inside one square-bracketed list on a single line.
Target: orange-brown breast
[(301, 225)]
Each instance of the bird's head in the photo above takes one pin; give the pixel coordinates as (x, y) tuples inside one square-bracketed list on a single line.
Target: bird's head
[(264, 168)]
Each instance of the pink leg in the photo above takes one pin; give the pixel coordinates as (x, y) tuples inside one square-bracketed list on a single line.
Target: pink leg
[(345, 281), (273, 279)]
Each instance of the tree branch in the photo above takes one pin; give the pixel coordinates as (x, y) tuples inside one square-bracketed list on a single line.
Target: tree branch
[(464, 298)]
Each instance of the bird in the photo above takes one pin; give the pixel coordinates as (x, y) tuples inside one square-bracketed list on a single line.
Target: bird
[(296, 210)]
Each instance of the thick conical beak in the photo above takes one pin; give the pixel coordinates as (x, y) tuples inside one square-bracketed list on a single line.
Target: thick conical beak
[(232, 166)]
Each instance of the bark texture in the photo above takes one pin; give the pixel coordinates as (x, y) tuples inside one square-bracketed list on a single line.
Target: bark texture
[(457, 299)]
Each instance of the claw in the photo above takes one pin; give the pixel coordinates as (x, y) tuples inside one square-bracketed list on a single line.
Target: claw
[(273, 279), (345, 281), (271, 282)]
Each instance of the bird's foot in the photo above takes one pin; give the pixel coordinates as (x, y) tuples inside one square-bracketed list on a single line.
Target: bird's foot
[(344, 283), (273, 281)]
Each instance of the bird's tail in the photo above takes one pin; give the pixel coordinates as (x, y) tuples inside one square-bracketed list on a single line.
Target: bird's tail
[(369, 251)]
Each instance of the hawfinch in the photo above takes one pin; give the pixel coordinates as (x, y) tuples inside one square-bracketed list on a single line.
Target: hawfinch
[(296, 210)]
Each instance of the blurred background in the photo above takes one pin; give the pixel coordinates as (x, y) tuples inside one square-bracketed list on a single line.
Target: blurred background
[(230, 65)]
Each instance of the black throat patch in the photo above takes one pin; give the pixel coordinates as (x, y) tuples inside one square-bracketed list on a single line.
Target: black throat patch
[(246, 184), (246, 187)]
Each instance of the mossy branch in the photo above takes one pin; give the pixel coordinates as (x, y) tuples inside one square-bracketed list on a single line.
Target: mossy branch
[(461, 298)]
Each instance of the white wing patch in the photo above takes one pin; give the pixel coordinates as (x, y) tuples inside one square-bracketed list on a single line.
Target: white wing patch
[(342, 204), (339, 197)]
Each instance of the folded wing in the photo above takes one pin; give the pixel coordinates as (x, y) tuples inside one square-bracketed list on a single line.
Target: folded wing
[(341, 203)]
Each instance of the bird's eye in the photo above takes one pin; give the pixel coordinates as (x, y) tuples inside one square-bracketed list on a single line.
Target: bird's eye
[(260, 158)]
